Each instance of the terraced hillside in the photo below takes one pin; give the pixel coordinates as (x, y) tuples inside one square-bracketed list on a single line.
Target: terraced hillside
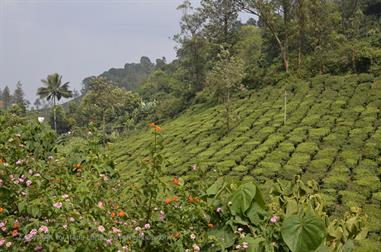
[(332, 135)]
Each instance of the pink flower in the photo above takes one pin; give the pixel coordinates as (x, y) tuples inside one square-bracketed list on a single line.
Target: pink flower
[(18, 162), (196, 247), (28, 183), (162, 215), (274, 219), (2, 224), (2, 241), (109, 241), (147, 226), (28, 237), (57, 205), (101, 229), (219, 210), (100, 204), (43, 229), (116, 230), (33, 232), (245, 245)]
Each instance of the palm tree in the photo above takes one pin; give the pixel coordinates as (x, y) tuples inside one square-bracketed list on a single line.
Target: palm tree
[(54, 90)]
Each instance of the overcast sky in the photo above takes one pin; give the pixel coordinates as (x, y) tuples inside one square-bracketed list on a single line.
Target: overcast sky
[(80, 38)]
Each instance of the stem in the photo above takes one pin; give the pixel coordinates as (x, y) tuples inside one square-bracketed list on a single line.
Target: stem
[(54, 114), (153, 176)]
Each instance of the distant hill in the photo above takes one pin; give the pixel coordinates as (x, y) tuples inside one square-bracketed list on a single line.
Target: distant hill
[(131, 76)]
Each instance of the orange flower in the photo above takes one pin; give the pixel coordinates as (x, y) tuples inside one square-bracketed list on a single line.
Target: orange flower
[(1, 161), (176, 181), (16, 225), (157, 129), (210, 225), (152, 125), (197, 200), (121, 214), (78, 166), (1, 209), (176, 235), (15, 233), (168, 200), (190, 199), (175, 198), (112, 214)]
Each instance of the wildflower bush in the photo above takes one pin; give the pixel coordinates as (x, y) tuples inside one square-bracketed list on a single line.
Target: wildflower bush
[(65, 195)]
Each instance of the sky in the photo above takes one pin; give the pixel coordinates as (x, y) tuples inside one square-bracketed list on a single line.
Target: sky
[(81, 38)]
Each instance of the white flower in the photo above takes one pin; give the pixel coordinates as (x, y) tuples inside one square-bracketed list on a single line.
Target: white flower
[(196, 247), (28, 183), (238, 246), (41, 119), (8, 244), (193, 236), (101, 229), (245, 245)]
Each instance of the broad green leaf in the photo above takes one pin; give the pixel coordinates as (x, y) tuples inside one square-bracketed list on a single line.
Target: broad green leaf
[(303, 232), (225, 236), (292, 207), (255, 244), (242, 198), (255, 214), (213, 189)]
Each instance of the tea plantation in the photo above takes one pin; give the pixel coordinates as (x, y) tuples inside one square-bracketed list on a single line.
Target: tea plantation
[(332, 134)]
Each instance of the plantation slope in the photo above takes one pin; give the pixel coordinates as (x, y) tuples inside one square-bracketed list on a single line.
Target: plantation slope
[(332, 135)]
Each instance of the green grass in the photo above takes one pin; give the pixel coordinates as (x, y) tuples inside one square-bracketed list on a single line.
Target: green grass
[(332, 135)]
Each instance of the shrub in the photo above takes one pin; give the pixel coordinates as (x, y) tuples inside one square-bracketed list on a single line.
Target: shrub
[(318, 134), (338, 182), (307, 147)]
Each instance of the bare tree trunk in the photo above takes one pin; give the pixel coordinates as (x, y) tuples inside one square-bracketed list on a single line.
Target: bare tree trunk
[(227, 108), (54, 114), (104, 126)]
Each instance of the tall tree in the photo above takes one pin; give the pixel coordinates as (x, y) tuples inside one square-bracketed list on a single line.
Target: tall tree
[(7, 97), (192, 52), (221, 20), (54, 90), (37, 103), (19, 96), (275, 16), (224, 79)]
